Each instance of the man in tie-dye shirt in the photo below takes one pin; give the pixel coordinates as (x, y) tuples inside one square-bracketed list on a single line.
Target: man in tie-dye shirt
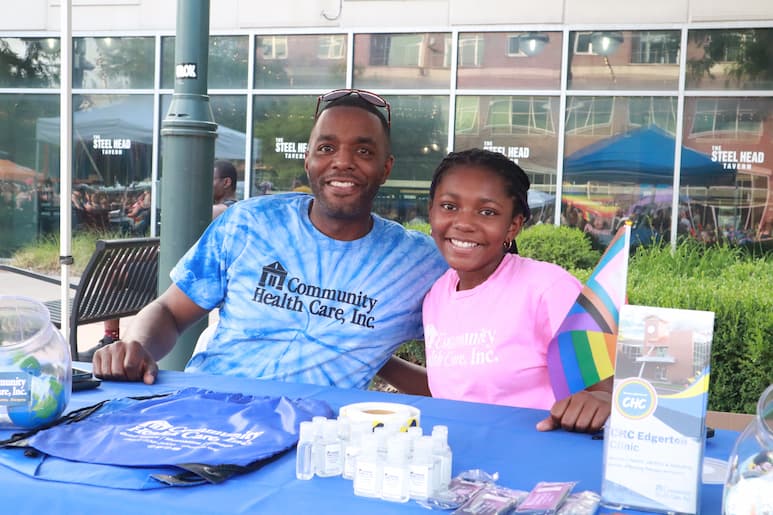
[(311, 288)]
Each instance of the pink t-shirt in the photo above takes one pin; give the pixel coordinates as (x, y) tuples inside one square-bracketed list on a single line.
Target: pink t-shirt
[(489, 344)]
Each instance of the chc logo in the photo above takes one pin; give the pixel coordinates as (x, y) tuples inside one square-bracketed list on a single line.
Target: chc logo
[(635, 398)]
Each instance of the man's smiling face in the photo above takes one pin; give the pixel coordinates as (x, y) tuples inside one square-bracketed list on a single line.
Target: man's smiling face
[(347, 160)]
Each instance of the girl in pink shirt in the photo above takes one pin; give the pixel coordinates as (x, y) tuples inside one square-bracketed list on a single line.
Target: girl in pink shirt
[(489, 319)]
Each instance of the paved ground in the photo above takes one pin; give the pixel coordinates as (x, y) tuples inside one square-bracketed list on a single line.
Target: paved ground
[(15, 284)]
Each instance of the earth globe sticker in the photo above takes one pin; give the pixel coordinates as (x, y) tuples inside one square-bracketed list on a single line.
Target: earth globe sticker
[(46, 401)]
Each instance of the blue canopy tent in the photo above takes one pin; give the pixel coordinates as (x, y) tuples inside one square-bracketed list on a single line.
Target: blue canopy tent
[(644, 155)]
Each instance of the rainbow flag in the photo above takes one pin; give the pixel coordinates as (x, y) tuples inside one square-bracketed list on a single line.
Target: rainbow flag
[(582, 352)]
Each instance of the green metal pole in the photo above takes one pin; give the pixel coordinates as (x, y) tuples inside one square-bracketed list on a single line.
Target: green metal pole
[(188, 152)]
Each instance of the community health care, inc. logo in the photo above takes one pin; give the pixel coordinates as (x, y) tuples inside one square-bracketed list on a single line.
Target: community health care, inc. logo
[(635, 398), (279, 289)]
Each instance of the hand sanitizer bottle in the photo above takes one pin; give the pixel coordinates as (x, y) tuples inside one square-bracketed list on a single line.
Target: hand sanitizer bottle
[(304, 465), (331, 455), (318, 424), (414, 433), (367, 474), (352, 449), (394, 485), (442, 452), (421, 473), (381, 441)]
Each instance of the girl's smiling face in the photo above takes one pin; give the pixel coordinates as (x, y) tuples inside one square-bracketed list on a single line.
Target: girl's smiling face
[(472, 217)]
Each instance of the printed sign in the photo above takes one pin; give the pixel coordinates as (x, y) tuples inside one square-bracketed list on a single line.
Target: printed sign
[(735, 159), (111, 146), (653, 443), (291, 149), (512, 153)]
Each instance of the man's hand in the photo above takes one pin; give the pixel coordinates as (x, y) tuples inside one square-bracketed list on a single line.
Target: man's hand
[(583, 412), (125, 361)]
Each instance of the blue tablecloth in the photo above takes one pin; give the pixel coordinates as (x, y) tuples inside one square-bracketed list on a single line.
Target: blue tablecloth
[(492, 438)]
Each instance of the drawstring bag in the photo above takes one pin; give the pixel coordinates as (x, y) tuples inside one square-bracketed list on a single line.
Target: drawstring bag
[(184, 438)]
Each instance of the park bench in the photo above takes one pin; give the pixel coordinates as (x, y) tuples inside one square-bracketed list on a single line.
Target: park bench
[(120, 279)]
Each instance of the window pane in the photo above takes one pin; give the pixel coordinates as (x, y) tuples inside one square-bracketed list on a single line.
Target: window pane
[(589, 115), (29, 171), (112, 152), (507, 60), (624, 59), (619, 165), (660, 111), (300, 61), (384, 61), (226, 67), (113, 62), (29, 62), (230, 114), (113, 140), (733, 202), (730, 59), (282, 124), (419, 135), (523, 129), (419, 142)]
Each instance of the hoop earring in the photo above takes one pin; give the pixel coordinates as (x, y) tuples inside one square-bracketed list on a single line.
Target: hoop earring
[(506, 245)]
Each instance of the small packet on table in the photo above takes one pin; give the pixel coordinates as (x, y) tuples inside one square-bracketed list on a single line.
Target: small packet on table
[(458, 493), (491, 500), (545, 498), (581, 503)]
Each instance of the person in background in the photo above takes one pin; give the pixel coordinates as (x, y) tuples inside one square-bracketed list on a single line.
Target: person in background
[(223, 187), (301, 184), (311, 288), (489, 319)]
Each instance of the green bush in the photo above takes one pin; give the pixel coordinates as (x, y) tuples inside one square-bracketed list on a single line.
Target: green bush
[(737, 288), (421, 227), (564, 246)]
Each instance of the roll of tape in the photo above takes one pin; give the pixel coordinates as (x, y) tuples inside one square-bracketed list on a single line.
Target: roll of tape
[(383, 413)]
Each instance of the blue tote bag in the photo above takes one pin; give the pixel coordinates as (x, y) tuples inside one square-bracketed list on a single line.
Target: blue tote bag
[(192, 436)]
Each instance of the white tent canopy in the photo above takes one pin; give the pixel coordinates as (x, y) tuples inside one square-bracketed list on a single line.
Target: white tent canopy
[(133, 119)]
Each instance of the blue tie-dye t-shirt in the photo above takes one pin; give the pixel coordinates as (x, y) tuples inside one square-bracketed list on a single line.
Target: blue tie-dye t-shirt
[(300, 306)]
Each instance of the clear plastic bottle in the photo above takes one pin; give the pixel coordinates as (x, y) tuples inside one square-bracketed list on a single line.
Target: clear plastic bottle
[(352, 448), (381, 441), (442, 453), (367, 475), (318, 423), (749, 482), (304, 464), (344, 429), (394, 485), (421, 473), (414, 433), (330, 458)]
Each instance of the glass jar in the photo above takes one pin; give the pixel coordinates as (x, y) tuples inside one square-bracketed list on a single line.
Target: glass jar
[(35, 365), (749, 484)]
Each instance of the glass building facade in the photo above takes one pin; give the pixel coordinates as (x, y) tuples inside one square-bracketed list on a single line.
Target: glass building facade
[(669, 127)]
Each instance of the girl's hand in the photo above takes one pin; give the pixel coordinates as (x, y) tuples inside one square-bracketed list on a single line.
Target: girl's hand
[(584, 412)]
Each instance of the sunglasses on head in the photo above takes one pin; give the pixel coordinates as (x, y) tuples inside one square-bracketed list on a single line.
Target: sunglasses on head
[(371, 98)]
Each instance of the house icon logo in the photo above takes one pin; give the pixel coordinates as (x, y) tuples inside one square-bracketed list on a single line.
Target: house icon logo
[(273, 275)]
